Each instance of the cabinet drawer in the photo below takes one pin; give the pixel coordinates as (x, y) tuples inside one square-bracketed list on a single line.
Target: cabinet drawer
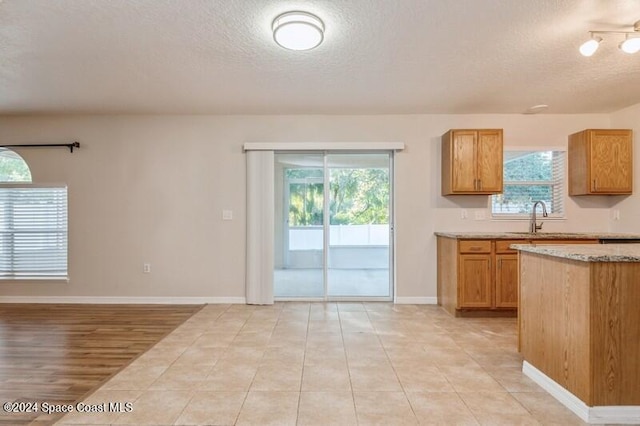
[(502, 246), (474, 246)]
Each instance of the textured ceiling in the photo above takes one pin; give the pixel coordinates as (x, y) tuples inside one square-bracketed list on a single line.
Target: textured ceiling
[(379, 56)]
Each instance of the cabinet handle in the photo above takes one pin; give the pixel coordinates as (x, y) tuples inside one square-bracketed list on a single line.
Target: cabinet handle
[(499, 263), (475, 184), (480, 184), (595, 184), (475, 248), (490, 264)]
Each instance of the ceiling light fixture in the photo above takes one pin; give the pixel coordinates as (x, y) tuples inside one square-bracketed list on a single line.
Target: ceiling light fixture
[(298, 30), (631, 43), (536, 109)]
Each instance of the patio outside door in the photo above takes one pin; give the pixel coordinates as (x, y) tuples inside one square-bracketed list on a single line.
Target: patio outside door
[(332, 228)]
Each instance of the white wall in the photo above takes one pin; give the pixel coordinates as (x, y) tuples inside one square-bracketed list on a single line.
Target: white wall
[(629, 207), (152, 189)]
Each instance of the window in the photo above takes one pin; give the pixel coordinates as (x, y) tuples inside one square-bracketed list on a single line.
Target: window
[(13, 168), (530, 176), (33, 224)]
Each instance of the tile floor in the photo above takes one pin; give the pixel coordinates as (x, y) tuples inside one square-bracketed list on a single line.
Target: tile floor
[(329, 364)]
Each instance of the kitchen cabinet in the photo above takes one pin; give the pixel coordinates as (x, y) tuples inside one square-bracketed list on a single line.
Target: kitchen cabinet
[(472, 161), (482, 275), (601, 162), (507, 274), (476, 289), (506, 281)]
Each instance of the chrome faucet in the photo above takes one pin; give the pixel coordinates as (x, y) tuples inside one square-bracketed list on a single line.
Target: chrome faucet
[(533, 225)]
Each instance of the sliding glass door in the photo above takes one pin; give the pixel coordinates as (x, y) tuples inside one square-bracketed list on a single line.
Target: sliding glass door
[(299, 228), (333, 229), (359, 218)]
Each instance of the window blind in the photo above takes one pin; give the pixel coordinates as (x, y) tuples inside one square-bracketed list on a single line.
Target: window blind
[(559, 178), (33, 232)]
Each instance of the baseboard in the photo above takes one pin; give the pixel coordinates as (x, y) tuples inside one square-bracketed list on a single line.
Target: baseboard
[(622, 415), (565, 397), (599, 415), (143, 300), (124, 300), (416, 300)]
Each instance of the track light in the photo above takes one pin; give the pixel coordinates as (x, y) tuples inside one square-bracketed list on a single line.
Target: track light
[(631, 43)]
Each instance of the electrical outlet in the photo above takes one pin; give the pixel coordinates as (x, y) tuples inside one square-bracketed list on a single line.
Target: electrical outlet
[(479, 215), (227, 215), (146, 268), (463, 214), (616, 214)]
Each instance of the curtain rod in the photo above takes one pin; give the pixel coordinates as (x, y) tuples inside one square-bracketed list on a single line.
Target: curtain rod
[(44, 145)]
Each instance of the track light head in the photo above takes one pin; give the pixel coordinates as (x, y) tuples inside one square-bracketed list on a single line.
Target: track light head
[(630, 45), (589, 47)]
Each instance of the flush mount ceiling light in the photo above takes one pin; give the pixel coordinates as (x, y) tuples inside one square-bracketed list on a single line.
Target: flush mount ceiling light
[(298, 30), (630, 44), (536, 109)]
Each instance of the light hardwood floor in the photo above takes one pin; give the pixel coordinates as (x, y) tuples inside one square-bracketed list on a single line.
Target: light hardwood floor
[(59, 353), (329, 363)]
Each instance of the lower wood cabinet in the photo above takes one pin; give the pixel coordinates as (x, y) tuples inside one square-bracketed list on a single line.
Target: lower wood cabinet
[(476, 282), (482, 275), (506, 281)]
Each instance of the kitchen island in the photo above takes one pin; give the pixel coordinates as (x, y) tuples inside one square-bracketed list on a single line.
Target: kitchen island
[(579, 326)]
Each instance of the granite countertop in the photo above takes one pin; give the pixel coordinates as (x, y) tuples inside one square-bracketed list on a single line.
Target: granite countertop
[(587, 252), (536, 236)]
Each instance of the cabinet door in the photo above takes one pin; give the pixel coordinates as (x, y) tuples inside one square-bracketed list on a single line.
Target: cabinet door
[(464, 161), (611, 161), (490, 165), (507, 281), (475, 281)]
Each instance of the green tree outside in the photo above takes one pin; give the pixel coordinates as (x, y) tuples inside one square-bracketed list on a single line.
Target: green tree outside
[(534, 167), (358, 196), (13, 168)]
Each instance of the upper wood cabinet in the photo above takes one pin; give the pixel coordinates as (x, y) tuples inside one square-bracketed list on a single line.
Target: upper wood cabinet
[(472, 162), (601, 162)]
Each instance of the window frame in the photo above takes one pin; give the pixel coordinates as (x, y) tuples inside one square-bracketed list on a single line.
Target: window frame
[(563, 195)]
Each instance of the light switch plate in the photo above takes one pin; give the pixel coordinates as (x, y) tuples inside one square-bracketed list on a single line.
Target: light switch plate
[(479, 215), (227, 215)]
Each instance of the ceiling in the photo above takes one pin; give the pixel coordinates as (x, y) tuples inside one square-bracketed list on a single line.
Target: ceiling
[(378, 57)]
